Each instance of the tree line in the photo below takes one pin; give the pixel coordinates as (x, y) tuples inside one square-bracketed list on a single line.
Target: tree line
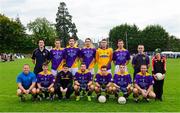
[(14, 37), (152, 36)]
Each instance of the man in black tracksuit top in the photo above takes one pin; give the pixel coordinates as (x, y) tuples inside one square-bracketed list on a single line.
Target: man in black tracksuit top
[(63, 83)]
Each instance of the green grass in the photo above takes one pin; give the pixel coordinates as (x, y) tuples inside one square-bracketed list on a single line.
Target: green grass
[(10, 102)]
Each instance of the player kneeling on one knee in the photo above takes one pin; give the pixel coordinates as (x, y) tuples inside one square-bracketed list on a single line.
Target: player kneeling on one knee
[(45, 83), (83, 82), (143, 84), (26, 83), (103, 82), (122, 82), (63, 83)]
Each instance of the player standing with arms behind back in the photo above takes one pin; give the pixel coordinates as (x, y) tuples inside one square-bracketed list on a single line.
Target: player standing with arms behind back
[(104, 55), (121, 56), (87, 55), (57, 57), (72, 56)]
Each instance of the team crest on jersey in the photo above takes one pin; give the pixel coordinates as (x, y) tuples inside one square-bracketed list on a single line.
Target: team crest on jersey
[(120, 56), (72, 53), (57, 55), (144, 58), (88, 53), (44, 54)]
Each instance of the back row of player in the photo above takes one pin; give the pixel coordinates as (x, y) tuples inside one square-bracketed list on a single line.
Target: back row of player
[(88, 55)]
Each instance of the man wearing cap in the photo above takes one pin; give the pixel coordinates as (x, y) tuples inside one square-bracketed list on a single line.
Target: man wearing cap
[(158, 66)]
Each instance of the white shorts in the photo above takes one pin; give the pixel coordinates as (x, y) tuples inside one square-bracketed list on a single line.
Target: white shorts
[(117, 69), (73, 70)]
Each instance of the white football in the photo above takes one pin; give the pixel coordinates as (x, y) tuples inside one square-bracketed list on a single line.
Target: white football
[(102, 99), (122, 100), (159, 76)]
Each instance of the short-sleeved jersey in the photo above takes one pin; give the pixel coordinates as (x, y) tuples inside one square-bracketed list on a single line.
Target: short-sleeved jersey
[(143, 81), (57, 58), (88, 57), (122, 80), (103, 79), (83, 77), (26, 79), (45, 80), (72, 56), (121, 56), (104, 57)]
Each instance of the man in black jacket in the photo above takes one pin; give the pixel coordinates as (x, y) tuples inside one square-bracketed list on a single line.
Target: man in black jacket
[(158, 66), (63, 83)]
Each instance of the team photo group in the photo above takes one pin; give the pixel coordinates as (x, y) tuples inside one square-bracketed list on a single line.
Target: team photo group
[(72, 73)]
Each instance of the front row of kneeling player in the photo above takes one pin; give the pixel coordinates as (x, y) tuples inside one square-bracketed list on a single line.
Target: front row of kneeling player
[(48, 86)]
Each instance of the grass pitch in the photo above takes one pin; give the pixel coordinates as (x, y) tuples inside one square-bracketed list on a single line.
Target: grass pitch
[(9, 102)]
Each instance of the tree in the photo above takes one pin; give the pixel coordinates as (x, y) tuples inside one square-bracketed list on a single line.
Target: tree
[(128, 33), (41, 28), (173, 44), (154, 36), (64, 26), (12, 34)]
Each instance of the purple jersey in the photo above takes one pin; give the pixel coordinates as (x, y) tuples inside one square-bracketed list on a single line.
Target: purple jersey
[(103, 79), (45, 80), (122, 80), (144, 81), (121, 56), (88, 57), (72, 56), (57, 56), (83, 77)]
